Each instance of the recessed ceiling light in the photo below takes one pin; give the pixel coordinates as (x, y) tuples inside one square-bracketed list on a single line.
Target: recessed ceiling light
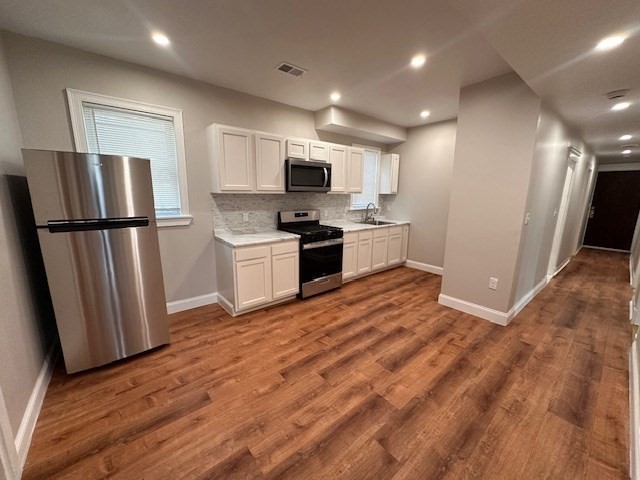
[(161, 39), (620, 106), (418, 61), (425, 113), (626, 152), (610, 42), (625, 137), (335, 96)]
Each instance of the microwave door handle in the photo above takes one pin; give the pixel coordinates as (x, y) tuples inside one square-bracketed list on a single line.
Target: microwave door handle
[(326, 176)]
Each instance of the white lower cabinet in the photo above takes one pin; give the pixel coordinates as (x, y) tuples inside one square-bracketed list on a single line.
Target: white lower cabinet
[(253, 282), (379, 251), (372, 250), (394, 248), (350, 256), (253, 276), (285, 272), (405, 242), (365, 241)]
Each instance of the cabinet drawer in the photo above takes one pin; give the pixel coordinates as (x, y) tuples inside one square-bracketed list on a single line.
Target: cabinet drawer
[(380, 232), (395, 230), (285, 247), (367, 234), (249, 253), (350, 237)]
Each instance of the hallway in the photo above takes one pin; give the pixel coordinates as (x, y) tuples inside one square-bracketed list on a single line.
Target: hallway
[(376, 380)]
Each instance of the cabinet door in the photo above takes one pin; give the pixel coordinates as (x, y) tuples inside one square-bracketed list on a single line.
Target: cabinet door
[(405, 242), (395, 172), (338, 159), (234, 159), (269, 162), (253, 282), (364, 255), (319, 151), (284, 269), (350, 260), (379, 253), (355, 170), (298, 148), (394, 249)]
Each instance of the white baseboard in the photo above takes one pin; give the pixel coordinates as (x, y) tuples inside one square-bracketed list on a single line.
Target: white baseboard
[(517, 308), (495, 316), (634, 414), (561, 267), (425, 267), (28, 424), (193, 302)]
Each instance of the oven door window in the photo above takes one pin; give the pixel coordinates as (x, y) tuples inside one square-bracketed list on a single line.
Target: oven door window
[(320, 262), (302, 176)]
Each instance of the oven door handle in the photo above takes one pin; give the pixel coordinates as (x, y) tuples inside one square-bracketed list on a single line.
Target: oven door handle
[(326, 176), (325, 243)]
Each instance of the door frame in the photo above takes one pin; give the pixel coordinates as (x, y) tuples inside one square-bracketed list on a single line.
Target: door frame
[(561, 221)]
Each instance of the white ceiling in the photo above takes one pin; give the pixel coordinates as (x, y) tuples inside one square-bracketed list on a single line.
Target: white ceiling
[(360, 47), (549, 43)]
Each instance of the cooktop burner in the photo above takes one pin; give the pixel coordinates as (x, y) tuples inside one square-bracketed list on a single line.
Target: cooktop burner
[(306, 223)]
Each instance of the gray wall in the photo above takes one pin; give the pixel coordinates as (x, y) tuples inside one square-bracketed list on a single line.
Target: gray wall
[(40, 71), (426, 165), (24, 336), (496, 135), (549, 169)]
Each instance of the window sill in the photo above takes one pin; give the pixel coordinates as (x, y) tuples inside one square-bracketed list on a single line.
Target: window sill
[(174, 221), (358, 209)]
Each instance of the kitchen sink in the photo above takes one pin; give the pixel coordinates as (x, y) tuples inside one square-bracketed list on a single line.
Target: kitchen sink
[(376, 222)]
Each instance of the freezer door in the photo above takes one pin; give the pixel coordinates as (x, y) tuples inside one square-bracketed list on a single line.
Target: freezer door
[(77, 186), (107, 292)]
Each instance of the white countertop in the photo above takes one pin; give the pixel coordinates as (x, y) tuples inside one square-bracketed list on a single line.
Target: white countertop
[(247, 239), (351, 226)]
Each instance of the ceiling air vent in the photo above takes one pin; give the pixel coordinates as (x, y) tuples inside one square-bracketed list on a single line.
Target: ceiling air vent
[(291, 69), (617, 94)]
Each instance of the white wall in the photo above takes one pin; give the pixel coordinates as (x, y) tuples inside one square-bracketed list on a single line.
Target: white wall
[(550, 160), (497, 127), (24, 335), (40, 72), (426, 166)]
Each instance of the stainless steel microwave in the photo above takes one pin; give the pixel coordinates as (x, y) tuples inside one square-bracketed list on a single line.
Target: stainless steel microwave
[(306, 176)]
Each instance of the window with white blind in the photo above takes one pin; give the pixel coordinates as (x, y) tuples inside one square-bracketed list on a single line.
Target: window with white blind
[(370, 181), (115, 126)]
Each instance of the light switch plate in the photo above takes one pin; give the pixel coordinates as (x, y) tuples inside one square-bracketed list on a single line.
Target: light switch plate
[(245, 217), (527, 218), (493, 283)]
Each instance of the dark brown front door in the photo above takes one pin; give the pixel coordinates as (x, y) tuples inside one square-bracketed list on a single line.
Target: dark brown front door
[(614, 210)]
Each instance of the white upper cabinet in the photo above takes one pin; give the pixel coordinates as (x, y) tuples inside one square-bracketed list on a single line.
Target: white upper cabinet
[(298, 148), (270, 155), (231, 155), (389, 171), (319, 151), (339, 166), (355, 170)]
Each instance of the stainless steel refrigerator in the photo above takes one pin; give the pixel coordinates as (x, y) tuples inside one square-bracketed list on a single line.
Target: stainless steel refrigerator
[(96, 225)]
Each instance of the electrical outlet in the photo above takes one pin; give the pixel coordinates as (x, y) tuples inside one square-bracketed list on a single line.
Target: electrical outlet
[(388, 208), (493, 283), (555, 212), (245, 217), (527, 218)]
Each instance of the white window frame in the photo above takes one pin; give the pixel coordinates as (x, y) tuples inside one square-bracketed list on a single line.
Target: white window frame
[(378, 153), (76, 98)]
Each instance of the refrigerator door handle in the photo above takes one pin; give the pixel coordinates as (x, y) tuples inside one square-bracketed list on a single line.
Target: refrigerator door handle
[(59, 226)]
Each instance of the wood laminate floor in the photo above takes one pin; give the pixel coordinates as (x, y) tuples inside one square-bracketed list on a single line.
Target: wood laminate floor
[(376, 380)]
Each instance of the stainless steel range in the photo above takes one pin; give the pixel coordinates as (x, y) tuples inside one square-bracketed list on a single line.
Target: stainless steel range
[(320, 250)]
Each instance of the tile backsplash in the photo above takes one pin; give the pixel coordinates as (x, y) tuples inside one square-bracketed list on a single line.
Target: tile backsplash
[(228, 209)]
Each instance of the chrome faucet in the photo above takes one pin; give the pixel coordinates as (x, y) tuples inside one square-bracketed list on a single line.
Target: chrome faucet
[(371, 218)]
